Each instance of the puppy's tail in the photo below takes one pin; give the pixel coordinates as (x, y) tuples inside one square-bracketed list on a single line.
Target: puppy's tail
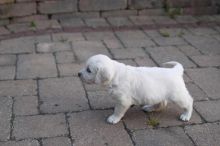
[(177, 66)]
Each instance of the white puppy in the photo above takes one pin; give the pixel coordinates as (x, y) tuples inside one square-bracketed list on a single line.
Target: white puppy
[(150, 87)]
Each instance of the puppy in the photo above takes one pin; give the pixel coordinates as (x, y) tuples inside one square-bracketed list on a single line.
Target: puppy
[(150, 87)]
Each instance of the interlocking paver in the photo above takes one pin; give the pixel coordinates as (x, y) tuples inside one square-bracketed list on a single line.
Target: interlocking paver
[(21, 27), (99, 35), (138, 42), (141, 20), (165, 54), (101, 100), (26, 105), (7, 72), (5, 117), (207, 79), (136, 34), (206, 61), (206, 44), (86, 49), (203, 31), (189, 50), (170, 116), (65, 57), (168, 41), (163, 20), (62, 95), (96, 22), (119, 21), (209, 110), (67, 37), (162, 137), (144, 61), (57, 141), (20, 143), (114, 43), (18, 88), (69, 69), (196, 92), (135, 119), (36, 65), (72, 22), (89, 128), (39, 126), (7, 60), (185, 19), (128, 53), (53, 47), (205, 134)]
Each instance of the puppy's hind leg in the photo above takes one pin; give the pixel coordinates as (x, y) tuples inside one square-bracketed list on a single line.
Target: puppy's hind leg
[(156, 107), (185, 101)]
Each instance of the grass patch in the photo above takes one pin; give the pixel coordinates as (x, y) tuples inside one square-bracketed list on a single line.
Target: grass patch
[(33, 24), (153, 122), (164, 34), (63, 40), (180, 34)]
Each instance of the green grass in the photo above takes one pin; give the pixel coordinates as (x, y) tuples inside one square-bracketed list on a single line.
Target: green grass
[(33, 24), (180, 34), (164, 34), (153, 122)]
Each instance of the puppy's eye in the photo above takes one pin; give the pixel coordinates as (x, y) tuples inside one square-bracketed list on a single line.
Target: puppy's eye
[(88, 70)]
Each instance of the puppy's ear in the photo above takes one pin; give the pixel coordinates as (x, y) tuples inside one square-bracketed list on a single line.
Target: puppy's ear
[(103, 75)]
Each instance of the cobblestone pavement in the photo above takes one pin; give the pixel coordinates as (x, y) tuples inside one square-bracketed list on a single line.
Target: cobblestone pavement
[(44, 103)]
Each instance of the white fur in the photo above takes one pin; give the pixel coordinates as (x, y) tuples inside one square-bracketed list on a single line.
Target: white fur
[(150, 87)]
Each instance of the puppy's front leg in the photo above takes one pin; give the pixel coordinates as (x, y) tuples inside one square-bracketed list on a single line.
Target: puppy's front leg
[(119, 111)]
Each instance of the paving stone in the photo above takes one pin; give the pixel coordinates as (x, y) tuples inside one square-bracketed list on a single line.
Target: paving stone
[(47, 24), (203, 31), (138, 42), (7, 72), (141, 20), (39, 126), (3, 30), (19, 45), (207, 79), (170, 116), (62, 95), (145, 61), (5, 117), (186, 19), (96, 22), (86, 49), (95, 87), (189, 50), (135, 119), (20, 143), (186, 78), (65, 57), (18, 88), (153, 33), (57, 141), (163, 20), (165, 54), (50, 7), (36, 65), (204, 61), (205, 44), (4, 22), (196, 92), (21, 27), (205, 18), (30, 18), (72, 22), (119, 21), (99, 35), (97, 5), (26, 105), (205, 134), (53, 47), (118, 13), (90, 128), (131, 34), (128, 53), (128, 62), (69, 69), (168, 41), (7, 60), (67, 37), (162, 137), (173, 32), (100, 100), (114, 43), (209, 110)]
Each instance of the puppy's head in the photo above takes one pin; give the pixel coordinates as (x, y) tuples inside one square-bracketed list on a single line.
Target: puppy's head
[(99, 69)]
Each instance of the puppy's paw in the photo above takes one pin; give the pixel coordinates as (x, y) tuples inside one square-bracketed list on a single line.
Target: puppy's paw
[(113, 119), (184, 117)]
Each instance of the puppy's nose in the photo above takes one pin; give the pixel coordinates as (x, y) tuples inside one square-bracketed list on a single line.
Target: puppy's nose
[(79, 74)]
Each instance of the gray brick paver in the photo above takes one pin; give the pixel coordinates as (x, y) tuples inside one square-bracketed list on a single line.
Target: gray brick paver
[(20, 143), (57, 141)]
